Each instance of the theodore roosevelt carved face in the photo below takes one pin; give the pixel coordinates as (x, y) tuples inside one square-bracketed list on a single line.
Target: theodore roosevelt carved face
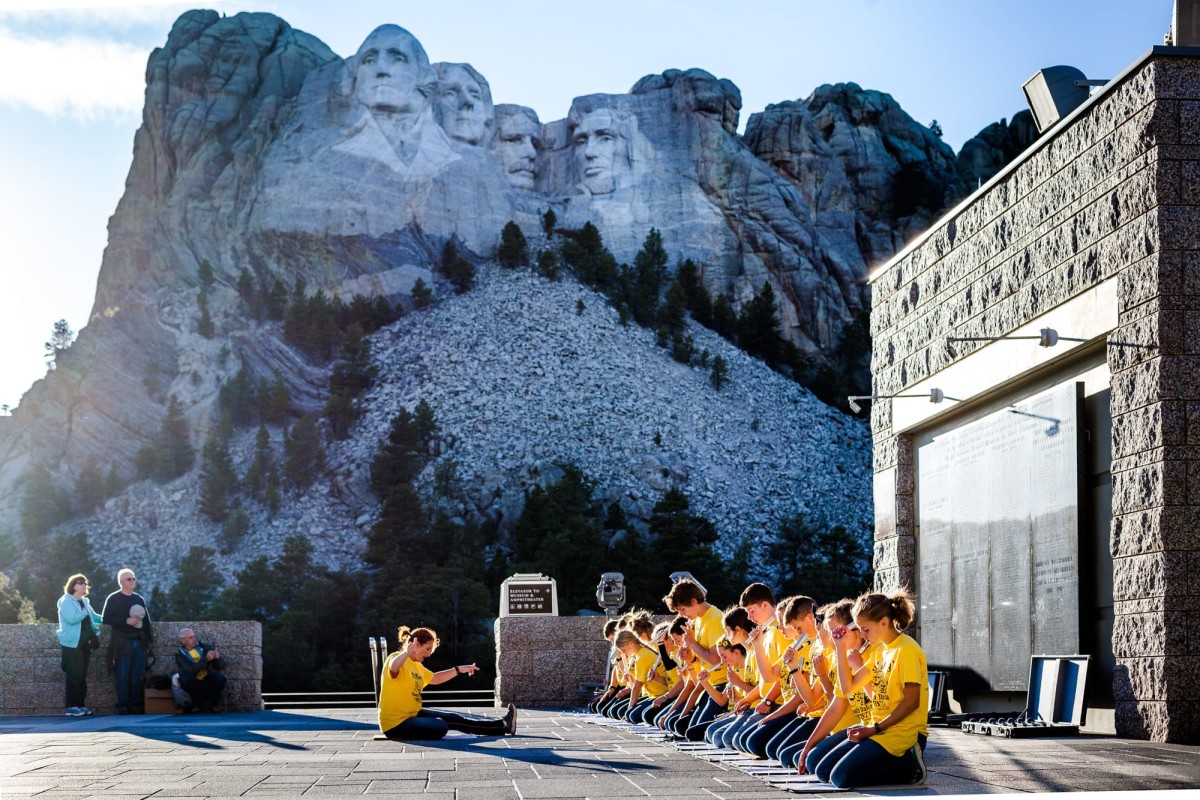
[(517, 141)]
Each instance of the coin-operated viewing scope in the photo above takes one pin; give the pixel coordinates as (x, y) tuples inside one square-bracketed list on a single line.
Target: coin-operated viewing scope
[(610, 592)]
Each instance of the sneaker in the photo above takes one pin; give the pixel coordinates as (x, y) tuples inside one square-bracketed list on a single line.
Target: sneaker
[(75, 711), (510, 720), (919, 774), (87, 712)]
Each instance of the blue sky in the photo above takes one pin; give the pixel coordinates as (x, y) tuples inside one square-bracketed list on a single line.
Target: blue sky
[(73, 76)]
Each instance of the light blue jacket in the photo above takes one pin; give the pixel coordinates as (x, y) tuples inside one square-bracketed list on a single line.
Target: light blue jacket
[(70, 617)]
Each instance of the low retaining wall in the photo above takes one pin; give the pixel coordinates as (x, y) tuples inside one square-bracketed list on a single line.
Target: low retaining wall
[(31, 678), (541, 661)]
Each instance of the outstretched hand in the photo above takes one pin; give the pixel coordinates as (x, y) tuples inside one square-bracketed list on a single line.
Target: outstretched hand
[(469, 669)]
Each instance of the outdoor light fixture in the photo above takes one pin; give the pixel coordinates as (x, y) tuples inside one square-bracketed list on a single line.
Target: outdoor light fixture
[(1054, 92), (676, 577), (610, 593), (934, 396), (1047, 337)]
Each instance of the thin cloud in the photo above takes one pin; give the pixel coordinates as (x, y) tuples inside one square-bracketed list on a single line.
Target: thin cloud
[(73, 75), (123, 6)]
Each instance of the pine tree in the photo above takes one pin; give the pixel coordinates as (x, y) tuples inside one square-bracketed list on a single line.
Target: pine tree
[(61, 339), (304, 454), (720, 373), (263, 465), (218, 481), (456, 269), (422, 295), (13, 607), (725, 320), (175, 455), (513, 251), (197, 585), (205, 326), (549, 220), (759, 327), (547, 264), (43, 504), (205, 275), (89, 487), (406, 451)]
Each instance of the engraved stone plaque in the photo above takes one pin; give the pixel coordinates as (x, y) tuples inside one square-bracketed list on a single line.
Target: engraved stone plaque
[(998, 545)]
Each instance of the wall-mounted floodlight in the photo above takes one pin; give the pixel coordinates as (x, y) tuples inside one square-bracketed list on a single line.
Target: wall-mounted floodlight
[(1047, 337), (1054, 92), (676, 577), (934, 396)]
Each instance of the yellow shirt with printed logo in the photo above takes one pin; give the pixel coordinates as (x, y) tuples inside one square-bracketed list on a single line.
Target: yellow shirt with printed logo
[(892, 666), (707, 630), (400, 697)]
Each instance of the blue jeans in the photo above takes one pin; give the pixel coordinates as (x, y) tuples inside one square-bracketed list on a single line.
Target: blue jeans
[(848, 764), (716, 728), (432, 723), (790, 742), (756, 737), (130, 670)]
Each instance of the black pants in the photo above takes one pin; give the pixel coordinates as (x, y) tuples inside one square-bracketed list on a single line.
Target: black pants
[(75, 669), (205, 692), (433, 723)]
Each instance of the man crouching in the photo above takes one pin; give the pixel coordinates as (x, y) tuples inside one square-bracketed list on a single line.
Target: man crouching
[(199, 671)]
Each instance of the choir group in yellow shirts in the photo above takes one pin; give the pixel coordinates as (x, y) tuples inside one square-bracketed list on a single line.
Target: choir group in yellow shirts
[(838, 691)]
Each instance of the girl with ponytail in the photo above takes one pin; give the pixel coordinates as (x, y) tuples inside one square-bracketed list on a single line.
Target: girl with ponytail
[(401, 715), (890, 749)]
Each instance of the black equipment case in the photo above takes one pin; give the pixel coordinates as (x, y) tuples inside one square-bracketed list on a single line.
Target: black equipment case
[(1054, 704)]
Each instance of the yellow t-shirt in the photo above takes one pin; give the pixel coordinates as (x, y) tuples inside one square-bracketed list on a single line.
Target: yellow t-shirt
[(708, 629), (749, 674), (858, 712), (400, 697), (774, 642), (195, 654), (656, 682), (814, 681), (786, 690), (892, 666)]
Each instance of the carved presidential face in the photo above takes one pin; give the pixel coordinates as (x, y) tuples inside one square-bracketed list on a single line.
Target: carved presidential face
[(391, 68), (461, 105), (517, 139), (598, 145)]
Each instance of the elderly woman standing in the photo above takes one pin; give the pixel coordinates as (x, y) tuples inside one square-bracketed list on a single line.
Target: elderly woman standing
[(78, 629)]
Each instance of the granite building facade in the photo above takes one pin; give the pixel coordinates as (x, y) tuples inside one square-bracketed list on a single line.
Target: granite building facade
[(1094, 235)]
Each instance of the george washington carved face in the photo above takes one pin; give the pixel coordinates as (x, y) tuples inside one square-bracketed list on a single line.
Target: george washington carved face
[(392, 72)]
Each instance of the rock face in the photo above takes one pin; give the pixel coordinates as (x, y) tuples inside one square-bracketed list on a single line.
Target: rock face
[(519, 379), (262, 151), (988, 151)]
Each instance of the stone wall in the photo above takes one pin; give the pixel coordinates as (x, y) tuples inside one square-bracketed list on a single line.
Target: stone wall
[(1113, 195), (541, 661), (31, 678)]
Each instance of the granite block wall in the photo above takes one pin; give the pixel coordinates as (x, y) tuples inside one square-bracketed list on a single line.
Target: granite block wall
[(31, 678), (541, 661), (1114, 195)]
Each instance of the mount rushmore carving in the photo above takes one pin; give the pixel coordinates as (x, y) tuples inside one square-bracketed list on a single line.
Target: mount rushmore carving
[(256, 134)]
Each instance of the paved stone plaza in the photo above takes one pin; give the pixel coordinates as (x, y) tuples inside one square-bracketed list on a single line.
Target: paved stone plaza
[(555, 755)]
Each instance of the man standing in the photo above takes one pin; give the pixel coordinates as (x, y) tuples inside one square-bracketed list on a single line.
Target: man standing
[(125, 613), (198, 676)]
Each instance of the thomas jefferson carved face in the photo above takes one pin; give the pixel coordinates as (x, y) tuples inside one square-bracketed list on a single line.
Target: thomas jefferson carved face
[(392, 72), (599, 145), (463, 105), (516, 146)]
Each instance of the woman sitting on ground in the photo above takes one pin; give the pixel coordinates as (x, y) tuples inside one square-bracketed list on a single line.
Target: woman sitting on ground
[(401, 715)]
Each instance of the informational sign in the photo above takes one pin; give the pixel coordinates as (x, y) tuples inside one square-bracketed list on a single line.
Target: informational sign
[(528, 595), (998, 548)]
